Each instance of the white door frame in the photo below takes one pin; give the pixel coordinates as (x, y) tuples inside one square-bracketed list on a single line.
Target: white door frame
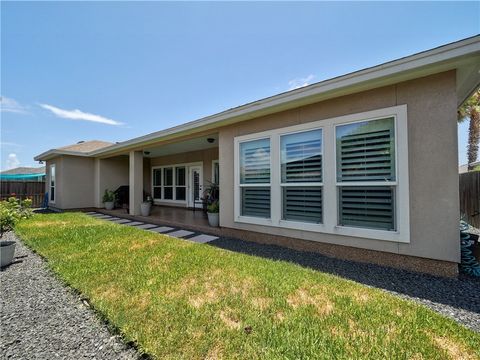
[(191, 170)]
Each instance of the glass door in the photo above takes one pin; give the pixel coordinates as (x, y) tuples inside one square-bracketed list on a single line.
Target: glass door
[(195, 181)]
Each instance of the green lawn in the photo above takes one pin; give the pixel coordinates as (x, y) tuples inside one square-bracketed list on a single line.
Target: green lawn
[(178, 299)]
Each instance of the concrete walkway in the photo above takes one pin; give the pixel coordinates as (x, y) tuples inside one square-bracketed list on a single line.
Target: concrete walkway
[(166, 230)]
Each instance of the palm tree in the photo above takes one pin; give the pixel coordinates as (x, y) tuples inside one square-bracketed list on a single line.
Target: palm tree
[(470, 109)]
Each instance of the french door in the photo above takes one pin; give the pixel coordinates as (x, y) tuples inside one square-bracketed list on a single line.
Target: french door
[(195, 186)]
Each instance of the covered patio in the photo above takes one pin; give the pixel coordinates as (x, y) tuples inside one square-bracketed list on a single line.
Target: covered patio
[(173, 175), (176, 217)]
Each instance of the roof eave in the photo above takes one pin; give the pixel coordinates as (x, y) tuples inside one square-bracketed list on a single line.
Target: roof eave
[(463, 54)]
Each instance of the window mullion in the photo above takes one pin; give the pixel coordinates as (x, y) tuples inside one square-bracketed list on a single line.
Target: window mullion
[(275, 179), (330, 212)]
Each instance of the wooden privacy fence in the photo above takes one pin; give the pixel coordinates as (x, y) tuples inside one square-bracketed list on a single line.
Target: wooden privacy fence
[(470, 197), (22, 190)]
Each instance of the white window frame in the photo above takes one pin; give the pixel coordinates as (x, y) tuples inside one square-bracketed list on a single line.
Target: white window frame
[(291, 223), (174, 186), (52, 166), (329, 177)]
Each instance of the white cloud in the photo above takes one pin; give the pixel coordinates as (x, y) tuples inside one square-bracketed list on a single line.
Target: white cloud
[(300, 82), (11, 105), (12, 161), (79, 115), (9, 144)]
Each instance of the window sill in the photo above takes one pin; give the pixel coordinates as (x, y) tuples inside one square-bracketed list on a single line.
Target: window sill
[(254, 220), (385, 235), (393, 236)]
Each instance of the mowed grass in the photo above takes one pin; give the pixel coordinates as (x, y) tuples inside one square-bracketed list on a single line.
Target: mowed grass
[(181, 300)]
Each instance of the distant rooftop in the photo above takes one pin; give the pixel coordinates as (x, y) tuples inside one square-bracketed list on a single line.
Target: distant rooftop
[(86, 146), (24, 170)]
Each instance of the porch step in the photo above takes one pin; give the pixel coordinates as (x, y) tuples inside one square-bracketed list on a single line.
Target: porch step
[(180, 233), (134, 223), (203, 238), (146, 226), (121, 221), (161, 229)]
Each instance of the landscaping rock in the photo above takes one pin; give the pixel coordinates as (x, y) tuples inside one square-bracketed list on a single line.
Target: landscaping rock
[(41, 319)]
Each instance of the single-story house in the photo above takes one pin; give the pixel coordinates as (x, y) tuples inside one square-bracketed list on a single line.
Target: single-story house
[(24, 174), (361, 166)]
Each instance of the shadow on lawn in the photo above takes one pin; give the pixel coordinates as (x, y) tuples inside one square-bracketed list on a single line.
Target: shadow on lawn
[(463, 293)]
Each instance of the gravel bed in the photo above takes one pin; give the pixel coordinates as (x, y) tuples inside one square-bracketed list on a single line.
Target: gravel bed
[(41, 319), (458, 299)]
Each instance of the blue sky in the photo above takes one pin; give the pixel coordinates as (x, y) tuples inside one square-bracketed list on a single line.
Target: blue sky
[(131, 68)]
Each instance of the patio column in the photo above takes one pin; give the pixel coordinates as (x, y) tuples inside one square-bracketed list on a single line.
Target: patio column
[(136, 181)]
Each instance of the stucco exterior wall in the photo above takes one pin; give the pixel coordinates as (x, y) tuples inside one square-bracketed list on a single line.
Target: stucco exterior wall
[(77, 182), (110, 174), (433, 175)]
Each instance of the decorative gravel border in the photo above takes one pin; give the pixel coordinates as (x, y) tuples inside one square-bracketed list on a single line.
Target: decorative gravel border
[(40, 318)]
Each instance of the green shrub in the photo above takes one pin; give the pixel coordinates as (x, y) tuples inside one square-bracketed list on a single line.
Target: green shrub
[(108, 196), (213, 208), (12, 210)]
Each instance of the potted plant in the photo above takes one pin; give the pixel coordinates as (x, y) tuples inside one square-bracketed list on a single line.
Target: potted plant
[(11, 211), (212, 213), (109, 199), (146, 206)]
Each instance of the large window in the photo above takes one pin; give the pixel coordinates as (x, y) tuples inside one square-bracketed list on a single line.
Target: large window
[(255, 178), (301, 179), (169, 183), (366, 157), (345, 175), (52, 183)]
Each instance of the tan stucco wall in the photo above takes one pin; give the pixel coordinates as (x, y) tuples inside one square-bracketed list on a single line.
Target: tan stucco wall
[(77, 182), (432, 137), (110, 174), (206, 156)]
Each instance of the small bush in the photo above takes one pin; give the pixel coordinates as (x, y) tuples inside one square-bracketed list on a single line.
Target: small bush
[(13, 210), (213, 208), (108, 196)]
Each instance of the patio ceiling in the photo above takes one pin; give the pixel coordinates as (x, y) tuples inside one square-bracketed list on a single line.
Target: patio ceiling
[(199, 143)]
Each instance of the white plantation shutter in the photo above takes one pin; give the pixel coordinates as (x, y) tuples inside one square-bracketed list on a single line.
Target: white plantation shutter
[(366, 151), (370, 206), (301, 166), (302, 203), (255, 178), (366, 156), (256, 201)]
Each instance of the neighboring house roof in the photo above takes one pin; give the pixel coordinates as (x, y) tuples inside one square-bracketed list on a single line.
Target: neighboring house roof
[(82, 148), (23, 174), (464, 168), (463, 55), (25, 171)]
